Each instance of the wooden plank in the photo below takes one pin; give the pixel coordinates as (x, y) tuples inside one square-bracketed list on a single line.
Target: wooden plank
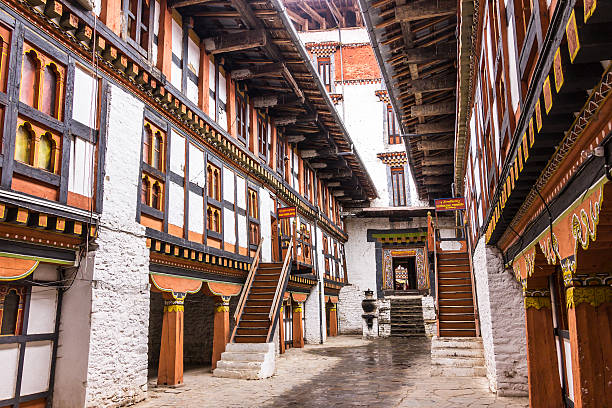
[(313, 13), (433, 109), (185, 3), (425, 9), (433, 84), (436, 171), (258, 71), (437, 161), (437, 127), (431, 53), (236, 41), (435, 145)]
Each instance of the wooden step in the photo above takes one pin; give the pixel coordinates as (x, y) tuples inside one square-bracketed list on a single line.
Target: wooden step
[(453, 268), (262, 289), (457, 316), (453, 287), (261, 295), (255, 316), (457, 324), (455, 309), (256, 309), (265, 283), (258, 302), (249, 339), (254, 322), (463, 256), (457, 333), (271, 265), (455, 281), (266, 278), (455, 274), (455, 302), (455, 294), (252, 331)]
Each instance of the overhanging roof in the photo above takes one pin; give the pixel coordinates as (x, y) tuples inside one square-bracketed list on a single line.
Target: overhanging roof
[(415, 45), (262, 50)]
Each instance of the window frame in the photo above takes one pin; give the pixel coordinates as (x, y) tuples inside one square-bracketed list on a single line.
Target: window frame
[(393, 135), (398, 186), (136, 42), (324, 70), (242, 116), (263, 144)]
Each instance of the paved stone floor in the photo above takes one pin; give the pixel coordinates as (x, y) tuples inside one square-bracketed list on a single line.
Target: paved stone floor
[(345, 372)]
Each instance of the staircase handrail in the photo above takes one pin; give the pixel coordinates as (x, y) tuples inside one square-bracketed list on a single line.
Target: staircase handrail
[(247, 287), (276, 301)]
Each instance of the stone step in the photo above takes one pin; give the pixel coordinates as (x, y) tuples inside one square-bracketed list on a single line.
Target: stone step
[(458, 361), (456, 352), (442, 371), (242, 356), (456, 343), (239, 365), (250, 347), (237, 374), (407, 334)]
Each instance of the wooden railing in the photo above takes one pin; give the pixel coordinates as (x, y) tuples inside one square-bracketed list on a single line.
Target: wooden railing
[(246, 288), (278, 294), (435, 251)]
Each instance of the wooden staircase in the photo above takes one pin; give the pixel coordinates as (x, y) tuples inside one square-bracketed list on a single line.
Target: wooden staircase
[(255, 324), (455, 295)]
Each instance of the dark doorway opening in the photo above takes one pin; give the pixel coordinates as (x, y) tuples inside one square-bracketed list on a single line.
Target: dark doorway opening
[(404, 273)]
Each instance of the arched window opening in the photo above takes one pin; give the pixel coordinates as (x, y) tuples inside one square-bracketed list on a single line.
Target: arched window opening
[(49, 91), (157, 152), (10, 313), (209, 217), (45, 153), (24, 140), (29, 79), (145, 191), (148, 141), (216, 221), (155, 199)]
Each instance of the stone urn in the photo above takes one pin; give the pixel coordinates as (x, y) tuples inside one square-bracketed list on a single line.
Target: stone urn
[(369, 308)]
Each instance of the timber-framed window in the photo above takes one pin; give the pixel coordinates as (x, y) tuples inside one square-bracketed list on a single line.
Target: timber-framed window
[(139, 18), (398, 186), (324, 68), (326, 254), (253, 212), (213, 179), (262, 136), (281, 155), (307, 183), (213, 218), (242, 115), (11, 305), (393, 133), (153, 166)]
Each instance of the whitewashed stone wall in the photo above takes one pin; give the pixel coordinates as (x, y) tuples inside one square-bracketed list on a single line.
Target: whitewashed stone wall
[(116, 321), (349, 309), (312, 328), (384, 317), (429, 315), (502, 322)]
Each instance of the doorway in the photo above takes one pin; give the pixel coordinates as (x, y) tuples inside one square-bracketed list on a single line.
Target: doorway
[(404, 273)]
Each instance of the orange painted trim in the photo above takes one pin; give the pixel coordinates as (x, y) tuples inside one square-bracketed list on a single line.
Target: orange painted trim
[(214, 243), (196, 237), (34, 188), (175, 230), (223, 288), (299, 297), (151, 222), (167, 283), (79, 201), (16, 268)]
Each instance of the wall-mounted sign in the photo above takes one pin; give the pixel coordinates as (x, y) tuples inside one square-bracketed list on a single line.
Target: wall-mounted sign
[(450, 204), (287, 212)]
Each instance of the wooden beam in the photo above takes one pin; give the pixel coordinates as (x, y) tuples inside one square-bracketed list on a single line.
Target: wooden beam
[(268, 101), (437, 145), (432, 85), (437, 180), (432, 53), (436, 127), (425, 9), (436, 171), (295, 138), (318, 165), (433, 109), (313, 13), (257, 71), (335, 11), (437, 161), (185, 3), (236, 41)]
